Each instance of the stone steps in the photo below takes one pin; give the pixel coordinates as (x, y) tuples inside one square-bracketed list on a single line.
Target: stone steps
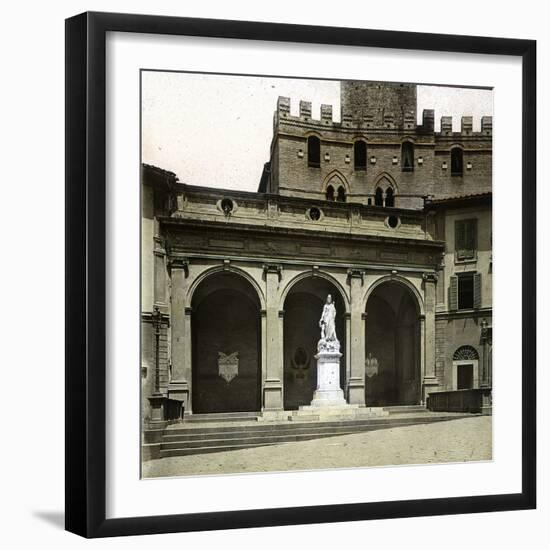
[(197, 439), (403, 409), (222, 417)]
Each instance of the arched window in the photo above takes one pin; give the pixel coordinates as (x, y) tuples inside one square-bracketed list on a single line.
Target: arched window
[(407, 156), (313, 151), (330, 193), (341, 196), (360, 155), (379, 197), (465, 353), (390, 199), (457, 164)]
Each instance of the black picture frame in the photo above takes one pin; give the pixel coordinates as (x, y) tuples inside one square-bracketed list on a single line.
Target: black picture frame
[(86, 274)]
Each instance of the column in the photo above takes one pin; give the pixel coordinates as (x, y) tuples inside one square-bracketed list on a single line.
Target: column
[(273, 337), (429, 381), (179, 387), (356, 381)]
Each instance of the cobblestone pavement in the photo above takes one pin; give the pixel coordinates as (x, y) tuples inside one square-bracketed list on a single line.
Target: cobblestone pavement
[(468, 439)]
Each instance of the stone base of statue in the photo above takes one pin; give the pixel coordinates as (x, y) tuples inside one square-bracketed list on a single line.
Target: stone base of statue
[(328, 399), (328, 392)]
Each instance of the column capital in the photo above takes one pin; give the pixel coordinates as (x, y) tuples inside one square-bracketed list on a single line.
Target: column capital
[(430, 277), (486, 332), (273, 268), (179, 263), (356, 274)]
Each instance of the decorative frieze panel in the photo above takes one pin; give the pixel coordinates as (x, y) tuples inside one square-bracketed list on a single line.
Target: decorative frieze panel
[(252, 243)]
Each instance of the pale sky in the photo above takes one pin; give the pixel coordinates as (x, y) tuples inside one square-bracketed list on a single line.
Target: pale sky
[(215, 130)]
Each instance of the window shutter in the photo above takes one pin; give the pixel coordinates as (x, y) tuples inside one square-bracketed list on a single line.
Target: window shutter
[(477, 290), (453, 293), (465, 239), (460, 229), (471, 237)]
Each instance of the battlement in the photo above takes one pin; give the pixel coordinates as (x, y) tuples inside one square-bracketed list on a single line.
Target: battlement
[(370, 118), (466, 126), (283, 112), (381, 119)]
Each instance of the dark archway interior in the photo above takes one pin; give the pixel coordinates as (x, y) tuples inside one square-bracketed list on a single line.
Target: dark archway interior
[(226, 320), (393, 340), (303, 307)]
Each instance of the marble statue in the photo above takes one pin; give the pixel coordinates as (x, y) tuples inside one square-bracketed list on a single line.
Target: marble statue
[(327, 324)]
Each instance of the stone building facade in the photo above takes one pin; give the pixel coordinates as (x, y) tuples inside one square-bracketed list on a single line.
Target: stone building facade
[(391, 218)]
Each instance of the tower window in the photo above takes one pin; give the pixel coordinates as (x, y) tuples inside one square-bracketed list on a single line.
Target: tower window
[(407, 156), (330, 193), (390, 199), (341, 196), (360, 155), (313, 151), (379, 197), (457, 161)]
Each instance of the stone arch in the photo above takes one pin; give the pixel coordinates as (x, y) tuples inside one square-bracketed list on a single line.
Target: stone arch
[(383, 180), (226, 345), (302, 304), (340, 180), (393, 337), (220, 269), (396, 279), (322, 275)]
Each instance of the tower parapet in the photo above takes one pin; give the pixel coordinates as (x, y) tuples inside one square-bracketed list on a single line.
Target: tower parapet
[(466, 128), (376, 148)]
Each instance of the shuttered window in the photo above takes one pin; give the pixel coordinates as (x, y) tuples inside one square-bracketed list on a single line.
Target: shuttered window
[(477, 290), (465, 291), (465, 239)]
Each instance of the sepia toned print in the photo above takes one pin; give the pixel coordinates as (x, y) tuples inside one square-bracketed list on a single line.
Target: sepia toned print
[(321, 295)]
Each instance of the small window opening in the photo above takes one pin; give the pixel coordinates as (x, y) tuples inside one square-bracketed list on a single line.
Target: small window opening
[(407, 156), (341, 197), (330, 193), (227, 206), (379, 197), (360, 155), (393, 221), (457, 162), (314, 214), (314, 151), (390, 199)]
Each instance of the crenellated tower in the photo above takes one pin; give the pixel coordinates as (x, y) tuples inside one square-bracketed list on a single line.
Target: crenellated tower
[(377, 154)]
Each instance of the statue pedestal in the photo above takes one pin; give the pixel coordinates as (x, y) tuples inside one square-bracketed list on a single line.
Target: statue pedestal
[(328, 392), (328, 402)]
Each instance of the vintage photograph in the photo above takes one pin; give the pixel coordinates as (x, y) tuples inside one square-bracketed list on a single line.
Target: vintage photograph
[(316, 274)]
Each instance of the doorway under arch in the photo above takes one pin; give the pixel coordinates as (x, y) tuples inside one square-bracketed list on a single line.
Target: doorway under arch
[(392, 347), (226, 350), (302, 310)]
